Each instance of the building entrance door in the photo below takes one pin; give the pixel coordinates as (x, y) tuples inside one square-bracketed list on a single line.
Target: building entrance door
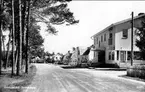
[(122, 56), (101, 56)]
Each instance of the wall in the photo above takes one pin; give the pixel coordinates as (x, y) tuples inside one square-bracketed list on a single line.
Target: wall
[(118, 42), (125, 44), (104, 45)]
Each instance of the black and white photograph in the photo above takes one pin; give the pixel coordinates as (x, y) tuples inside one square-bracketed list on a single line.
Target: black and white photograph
[(72, 46)]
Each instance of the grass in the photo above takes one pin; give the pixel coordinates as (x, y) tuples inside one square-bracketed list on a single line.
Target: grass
[(16, 83)]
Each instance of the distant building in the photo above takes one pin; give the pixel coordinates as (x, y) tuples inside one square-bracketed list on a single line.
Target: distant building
[(113, 44), (57, 57)]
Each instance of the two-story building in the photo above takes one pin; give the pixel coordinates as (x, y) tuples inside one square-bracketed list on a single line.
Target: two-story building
[(113, 44)]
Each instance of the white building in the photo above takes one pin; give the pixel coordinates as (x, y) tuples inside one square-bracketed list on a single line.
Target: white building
[(113, 44)]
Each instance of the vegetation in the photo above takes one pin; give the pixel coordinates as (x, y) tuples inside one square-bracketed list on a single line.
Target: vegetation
[(17, 82), (136, 71), (20, 17), (141, 41)]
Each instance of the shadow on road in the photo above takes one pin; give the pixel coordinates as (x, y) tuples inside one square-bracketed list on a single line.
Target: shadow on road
[(71, 67), (100, 67), (95, 68), (111, 69)]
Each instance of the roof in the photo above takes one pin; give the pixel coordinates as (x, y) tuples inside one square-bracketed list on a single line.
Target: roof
[(117, 23), (98, 49)]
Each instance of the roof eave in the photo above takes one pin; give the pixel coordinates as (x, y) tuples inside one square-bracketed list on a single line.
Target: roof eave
[(117, 23)]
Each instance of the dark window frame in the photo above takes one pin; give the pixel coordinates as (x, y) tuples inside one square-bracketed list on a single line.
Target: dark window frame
[(101, 38), (124, 34), (104, 37), (117, 55), (109, 56), (99, 44), (110, 40), (112, 55), (97, 40), (110, 35)]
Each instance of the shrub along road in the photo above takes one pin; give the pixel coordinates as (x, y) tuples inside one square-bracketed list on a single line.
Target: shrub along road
[(53, 78)]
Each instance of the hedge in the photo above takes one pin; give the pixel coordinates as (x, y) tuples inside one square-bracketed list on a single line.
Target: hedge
[(136, 71)]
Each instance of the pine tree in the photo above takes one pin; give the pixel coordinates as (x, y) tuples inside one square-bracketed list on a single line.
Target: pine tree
[(20, 40), (0, 53), (13, 37)]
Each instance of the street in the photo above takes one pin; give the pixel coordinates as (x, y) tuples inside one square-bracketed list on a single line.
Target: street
[(53, 78)]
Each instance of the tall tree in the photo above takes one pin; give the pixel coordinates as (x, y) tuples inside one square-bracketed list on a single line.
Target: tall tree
[(141, 41), (35, 39), (20, 36), (27, 30), (1, 22), (24, 18), (3, 48), (20, 40), (52, 13), (8, 49), (13, 36), (47, 8), (0, 38), (4, 23)]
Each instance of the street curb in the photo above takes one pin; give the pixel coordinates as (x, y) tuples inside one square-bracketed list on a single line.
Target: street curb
[(122, 77), (133, 79)]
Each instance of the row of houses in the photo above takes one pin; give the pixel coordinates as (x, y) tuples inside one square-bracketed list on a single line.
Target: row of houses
[(78, 56), (112, 45)]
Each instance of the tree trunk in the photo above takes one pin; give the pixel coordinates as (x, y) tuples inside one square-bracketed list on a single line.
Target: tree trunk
[(28, 21), (24, 14), (3, 49), (20, 40), (0, 48), (8, 52), (0, 39), (17, 62), (13, 37)]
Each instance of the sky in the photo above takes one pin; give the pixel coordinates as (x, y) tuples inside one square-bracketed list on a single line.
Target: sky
[(93, 17)]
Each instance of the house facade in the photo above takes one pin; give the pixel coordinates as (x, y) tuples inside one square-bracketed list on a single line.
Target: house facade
[(113, 44)]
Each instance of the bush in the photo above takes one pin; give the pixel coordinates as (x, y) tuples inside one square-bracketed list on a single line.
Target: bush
[(136, 71)]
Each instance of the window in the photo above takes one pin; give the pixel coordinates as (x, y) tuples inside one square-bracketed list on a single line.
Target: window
[(109, 55), (94, 54), (117, 55), (99, 43), (110, 39), (97, 40), (110, 35), (111, 28), (104, 37), (94, 41), (112, 55), (128, 55), (124, 33)]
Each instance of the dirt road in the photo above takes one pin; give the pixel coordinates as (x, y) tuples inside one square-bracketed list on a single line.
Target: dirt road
[(52, 78)]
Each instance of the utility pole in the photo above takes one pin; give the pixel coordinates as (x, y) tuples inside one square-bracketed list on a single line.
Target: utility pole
[(132, 23)]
